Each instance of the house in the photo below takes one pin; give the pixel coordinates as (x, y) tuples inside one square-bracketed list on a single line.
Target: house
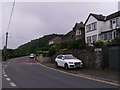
[(79, 29), (55, 40), (69, 36), (99, 27)]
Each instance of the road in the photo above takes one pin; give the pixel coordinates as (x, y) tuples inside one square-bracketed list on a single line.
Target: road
[(24, 72)]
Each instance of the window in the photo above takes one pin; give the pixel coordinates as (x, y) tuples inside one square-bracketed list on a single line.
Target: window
[(88, 28), (109, 35), (60, 57), (105, 36), (91, 27), (78, 32), (110, 24), (94, 26), (94, 38), (117, 22), (89, 39), (117, 34)]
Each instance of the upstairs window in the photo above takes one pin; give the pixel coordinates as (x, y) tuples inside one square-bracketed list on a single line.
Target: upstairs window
[(117, 22), (78, 32), (91, 27), (111, 24), (88, 28), (94, 26)]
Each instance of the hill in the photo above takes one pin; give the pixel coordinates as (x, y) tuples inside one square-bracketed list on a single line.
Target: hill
[(30, 47)]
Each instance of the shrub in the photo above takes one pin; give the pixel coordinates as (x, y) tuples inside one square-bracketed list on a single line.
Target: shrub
[(52, 50), (100, 43)]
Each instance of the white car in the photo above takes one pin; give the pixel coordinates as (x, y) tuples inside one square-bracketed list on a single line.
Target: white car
[(68, 61), (32, 55)]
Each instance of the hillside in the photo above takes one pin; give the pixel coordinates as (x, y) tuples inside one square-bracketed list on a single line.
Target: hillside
[(31, 46)]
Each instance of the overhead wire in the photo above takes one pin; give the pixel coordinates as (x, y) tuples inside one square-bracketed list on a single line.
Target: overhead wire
[(11, 16)]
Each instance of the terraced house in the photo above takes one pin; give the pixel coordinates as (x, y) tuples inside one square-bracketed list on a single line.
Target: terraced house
[(99, 27)]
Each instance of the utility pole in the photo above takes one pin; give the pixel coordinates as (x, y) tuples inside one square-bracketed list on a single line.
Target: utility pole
[(5, 47), (6, 40)]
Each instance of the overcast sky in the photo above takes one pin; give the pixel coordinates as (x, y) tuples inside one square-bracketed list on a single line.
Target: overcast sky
[(32, 20)]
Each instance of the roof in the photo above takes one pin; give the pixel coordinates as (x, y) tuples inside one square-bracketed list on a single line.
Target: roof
[(116, 14), (78, 26), (100, 17)]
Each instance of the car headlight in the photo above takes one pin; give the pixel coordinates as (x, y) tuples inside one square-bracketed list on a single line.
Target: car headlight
[(70, 62)]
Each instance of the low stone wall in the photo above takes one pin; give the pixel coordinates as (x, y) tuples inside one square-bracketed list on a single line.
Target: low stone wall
[(43, 59), (91, 59)]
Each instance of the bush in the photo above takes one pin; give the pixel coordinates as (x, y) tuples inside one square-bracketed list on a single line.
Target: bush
[(52, 50), (100, 43)]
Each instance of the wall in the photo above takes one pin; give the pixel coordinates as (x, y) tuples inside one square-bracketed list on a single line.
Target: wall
[(114, 58), (91, 59), (95, 32)]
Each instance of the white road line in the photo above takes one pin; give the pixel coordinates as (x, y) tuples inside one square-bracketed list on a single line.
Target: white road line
[(5, 75), (12, 84), (8, 79)]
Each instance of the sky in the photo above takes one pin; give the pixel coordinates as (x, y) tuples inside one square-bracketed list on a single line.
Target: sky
[(32, 20)]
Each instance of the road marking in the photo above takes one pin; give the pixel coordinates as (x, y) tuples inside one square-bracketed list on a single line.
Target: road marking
[(12, 84), (8, 79), (5, 75), (116, 84)]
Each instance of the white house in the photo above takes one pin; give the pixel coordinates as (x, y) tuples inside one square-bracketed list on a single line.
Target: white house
[(99, 27)]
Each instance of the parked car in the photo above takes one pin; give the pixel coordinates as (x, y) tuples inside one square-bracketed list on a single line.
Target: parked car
[(68, 61), (31, 55)]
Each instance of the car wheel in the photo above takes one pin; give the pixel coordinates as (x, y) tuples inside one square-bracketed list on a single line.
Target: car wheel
[(66, 66), (56, 64)]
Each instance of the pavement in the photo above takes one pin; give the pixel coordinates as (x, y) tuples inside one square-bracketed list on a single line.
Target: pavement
[(24, 72)]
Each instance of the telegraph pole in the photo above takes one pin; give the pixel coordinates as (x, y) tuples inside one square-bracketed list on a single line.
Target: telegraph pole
[(6, 40), (5, 47)]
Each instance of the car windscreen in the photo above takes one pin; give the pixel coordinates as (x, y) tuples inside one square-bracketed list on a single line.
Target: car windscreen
[(69, 57)]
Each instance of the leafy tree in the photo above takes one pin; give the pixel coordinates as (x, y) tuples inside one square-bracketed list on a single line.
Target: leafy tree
[(53, 49)]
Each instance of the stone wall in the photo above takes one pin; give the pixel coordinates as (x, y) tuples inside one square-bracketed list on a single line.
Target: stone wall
[(90, 58)]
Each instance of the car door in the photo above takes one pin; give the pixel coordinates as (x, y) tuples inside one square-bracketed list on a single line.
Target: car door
[(62, 61), (59, 60)]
